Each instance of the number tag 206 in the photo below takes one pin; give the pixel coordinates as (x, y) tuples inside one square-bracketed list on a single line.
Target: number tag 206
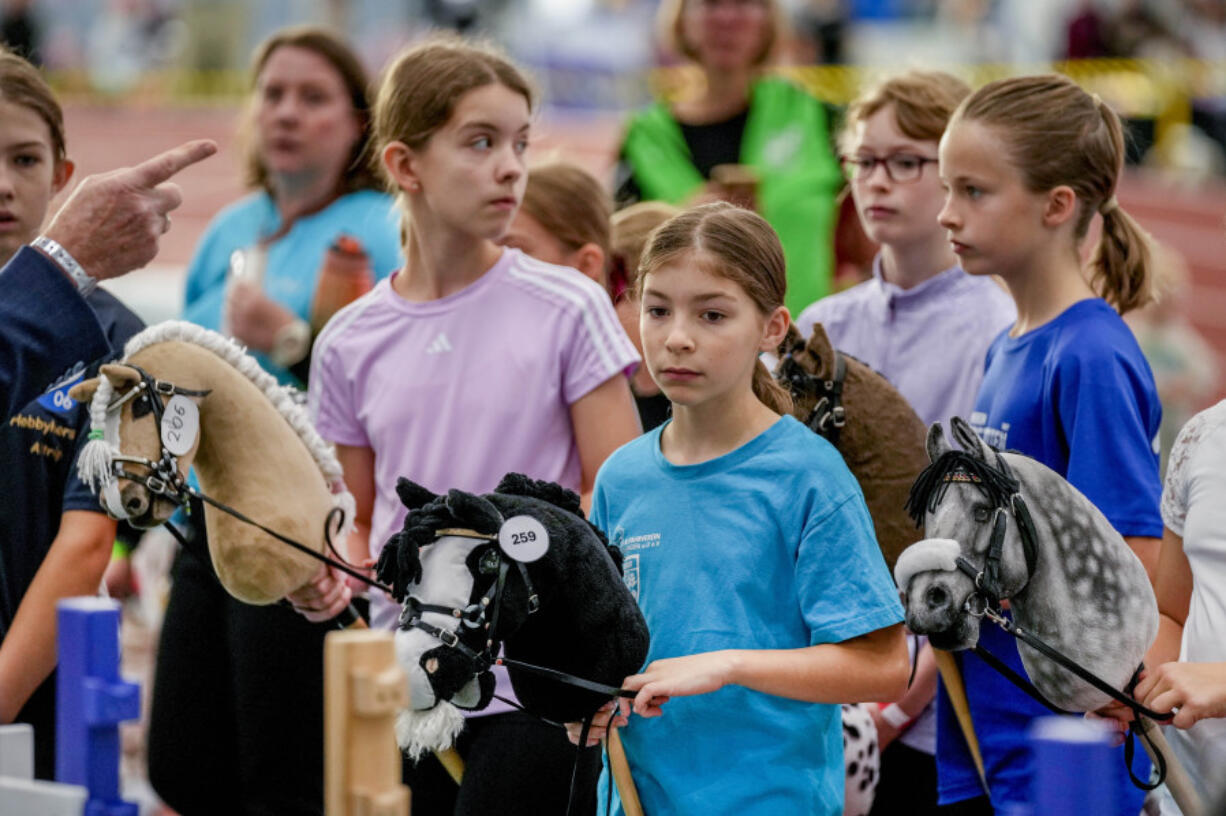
[(180, 425)]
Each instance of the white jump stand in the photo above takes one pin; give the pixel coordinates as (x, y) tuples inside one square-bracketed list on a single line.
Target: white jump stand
[(23, 795)]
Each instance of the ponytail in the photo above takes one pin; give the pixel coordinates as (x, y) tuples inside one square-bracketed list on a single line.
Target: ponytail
[(1120, 270), (1032, 113), (769, 391)]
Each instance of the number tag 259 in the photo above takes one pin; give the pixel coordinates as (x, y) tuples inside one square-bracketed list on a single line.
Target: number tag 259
[(523, 538)]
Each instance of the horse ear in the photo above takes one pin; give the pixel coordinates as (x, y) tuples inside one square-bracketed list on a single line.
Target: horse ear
[(475, 511), (121, 376), (822, 349), (84, 391), (936, 443), (413, 495), (965, 435)]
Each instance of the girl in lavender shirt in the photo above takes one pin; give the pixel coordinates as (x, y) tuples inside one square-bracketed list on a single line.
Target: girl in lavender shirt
[(925, 325), (472, 361)]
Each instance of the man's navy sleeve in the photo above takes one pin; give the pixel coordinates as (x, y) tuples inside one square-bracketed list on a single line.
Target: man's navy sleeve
[(46, 328)]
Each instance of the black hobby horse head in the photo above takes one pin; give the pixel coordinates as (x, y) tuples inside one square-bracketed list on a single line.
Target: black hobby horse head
[(465, 594)]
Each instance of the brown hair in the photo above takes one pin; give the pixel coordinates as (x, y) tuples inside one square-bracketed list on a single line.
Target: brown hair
[(1034, 113), (422, 86), (671, 29), (629, 230), (360, 174), (746, 251), (22, 84), (923, 103), (570, 204)]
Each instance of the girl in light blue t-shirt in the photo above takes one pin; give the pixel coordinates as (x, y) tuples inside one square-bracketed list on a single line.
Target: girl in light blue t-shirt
[(747, 543)]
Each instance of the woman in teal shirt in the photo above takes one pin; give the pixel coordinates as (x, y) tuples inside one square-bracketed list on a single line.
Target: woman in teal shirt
[(308, 159)]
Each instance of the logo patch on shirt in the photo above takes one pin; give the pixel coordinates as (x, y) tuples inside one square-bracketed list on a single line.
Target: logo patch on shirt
[(996, 437), (630, 574), (439, 344), (56, 398)]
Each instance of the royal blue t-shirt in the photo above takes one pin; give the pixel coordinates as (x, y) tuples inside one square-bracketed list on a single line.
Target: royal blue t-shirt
[(767, 547), (1077, 395)]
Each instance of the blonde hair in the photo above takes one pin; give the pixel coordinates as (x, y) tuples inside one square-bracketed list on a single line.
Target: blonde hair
[(22, 84), (570, 204), (359, 172), (745, 250), (1056, 134), (923, 103), (671, 30), (629, 230)]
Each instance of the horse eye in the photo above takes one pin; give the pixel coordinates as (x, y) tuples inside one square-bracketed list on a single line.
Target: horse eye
[(489, 562), (982, 514), (141, 406)]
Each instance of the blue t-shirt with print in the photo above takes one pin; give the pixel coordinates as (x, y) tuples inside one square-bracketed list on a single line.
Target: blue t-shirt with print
[(1077, 395), (767, 547)]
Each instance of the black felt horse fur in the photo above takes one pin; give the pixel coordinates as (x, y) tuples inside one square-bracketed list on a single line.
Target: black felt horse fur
[(587, 623)]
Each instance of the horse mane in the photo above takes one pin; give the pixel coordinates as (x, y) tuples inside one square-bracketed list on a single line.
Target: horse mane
[(236, 355), (517, 484), (929, 489)]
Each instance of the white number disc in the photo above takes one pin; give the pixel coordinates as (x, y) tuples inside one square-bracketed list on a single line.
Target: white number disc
[(180, 424), (523, 538)]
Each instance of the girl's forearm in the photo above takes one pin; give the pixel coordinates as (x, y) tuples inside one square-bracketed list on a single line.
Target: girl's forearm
[(870, 668)]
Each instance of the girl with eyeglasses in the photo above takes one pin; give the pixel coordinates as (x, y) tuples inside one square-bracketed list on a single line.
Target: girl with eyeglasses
[(888, 321), (891, 160)]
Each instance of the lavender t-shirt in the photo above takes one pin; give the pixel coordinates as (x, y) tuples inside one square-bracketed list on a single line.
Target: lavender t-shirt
[(930, 341), (457, 392)]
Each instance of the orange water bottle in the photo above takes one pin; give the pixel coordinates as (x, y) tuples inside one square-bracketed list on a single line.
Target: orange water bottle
[(343, 278)]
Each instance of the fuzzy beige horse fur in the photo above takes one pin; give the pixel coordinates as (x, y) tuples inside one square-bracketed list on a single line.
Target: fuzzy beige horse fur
[(882, 441), (256, 452)]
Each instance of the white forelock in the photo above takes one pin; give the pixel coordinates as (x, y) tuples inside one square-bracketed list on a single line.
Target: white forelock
[(296, 415), (924, 556)]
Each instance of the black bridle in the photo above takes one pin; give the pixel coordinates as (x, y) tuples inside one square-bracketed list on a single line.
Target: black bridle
[(1003, 491), (482, 615), (162, 477), (828, 416)]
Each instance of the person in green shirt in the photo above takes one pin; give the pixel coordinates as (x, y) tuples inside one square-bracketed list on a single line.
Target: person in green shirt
[(776, 132)]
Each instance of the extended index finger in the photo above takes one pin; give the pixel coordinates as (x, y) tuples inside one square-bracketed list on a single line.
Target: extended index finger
[(161, 167)]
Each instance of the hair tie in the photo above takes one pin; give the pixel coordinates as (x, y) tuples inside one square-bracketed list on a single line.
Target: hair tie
[(1108, 205)]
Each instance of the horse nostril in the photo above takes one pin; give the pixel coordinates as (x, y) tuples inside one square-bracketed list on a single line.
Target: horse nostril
[(936, 597), (136, 505)]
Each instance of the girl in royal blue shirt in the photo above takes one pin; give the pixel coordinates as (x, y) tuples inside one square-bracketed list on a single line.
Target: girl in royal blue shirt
[(1028, 163)]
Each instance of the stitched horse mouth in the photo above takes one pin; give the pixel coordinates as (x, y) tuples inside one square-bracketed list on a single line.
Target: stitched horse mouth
[(144, 510)]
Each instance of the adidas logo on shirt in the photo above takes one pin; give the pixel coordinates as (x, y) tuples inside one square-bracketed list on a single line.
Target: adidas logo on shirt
[(439, 345)]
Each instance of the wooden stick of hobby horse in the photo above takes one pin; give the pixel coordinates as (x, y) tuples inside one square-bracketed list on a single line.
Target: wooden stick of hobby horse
[(956, 692), (1177, 780), (449, 758), (620, 769)]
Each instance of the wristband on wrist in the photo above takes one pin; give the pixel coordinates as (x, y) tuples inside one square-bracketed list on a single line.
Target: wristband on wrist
[(895, 716), (84, 282)]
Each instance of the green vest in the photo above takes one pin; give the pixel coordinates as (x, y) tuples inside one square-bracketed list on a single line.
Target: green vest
[(787, 141)]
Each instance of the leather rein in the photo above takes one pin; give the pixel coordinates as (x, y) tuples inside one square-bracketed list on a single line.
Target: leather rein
[(1002, 488)]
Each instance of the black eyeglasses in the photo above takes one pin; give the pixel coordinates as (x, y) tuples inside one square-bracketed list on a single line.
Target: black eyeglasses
[(901, 168)]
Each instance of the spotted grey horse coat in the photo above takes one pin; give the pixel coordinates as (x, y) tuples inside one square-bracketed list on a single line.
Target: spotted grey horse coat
[(1088, 597)]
